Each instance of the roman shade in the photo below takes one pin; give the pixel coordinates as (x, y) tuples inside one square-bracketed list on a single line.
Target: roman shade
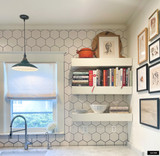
[(41, 84)]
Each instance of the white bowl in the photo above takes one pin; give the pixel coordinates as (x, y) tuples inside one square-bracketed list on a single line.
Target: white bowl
[(98, 108)]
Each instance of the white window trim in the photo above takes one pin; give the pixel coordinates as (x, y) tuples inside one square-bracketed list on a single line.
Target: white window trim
[(33, 57)]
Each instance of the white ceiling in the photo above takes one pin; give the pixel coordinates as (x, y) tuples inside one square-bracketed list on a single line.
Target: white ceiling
[(51, 12)]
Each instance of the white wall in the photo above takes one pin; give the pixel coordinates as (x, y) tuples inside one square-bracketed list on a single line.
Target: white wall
[(140, 136)]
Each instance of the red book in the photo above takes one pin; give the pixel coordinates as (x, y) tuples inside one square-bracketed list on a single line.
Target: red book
[(90, 77), (124, 77), (104, 77)]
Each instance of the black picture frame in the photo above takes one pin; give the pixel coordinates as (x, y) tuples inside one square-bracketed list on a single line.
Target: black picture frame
[(149, 112), (142, 78), (154, 51), (154, 78)]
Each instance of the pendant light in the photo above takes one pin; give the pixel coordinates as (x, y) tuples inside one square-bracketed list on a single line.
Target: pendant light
[(24, 65)]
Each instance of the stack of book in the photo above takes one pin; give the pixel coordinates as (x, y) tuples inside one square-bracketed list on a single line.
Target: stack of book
[(119, 109), (110, 77), (80, 78), (103, 77)]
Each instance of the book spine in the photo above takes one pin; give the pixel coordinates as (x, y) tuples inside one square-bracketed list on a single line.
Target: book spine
[(121, 76), (94, 77), (112, 73), (90, 77), (98, 77), (104, 77), (124, 77), (80, 73), (80, 77), (110, 78), (115, 77)]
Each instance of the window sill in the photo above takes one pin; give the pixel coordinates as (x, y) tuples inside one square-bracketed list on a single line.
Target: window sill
[(31, 133)]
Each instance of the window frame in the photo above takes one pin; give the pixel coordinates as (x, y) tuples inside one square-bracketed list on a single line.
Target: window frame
[(33, 57)]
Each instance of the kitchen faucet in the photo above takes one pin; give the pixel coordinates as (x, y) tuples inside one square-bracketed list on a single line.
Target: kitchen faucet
[(25, 129)]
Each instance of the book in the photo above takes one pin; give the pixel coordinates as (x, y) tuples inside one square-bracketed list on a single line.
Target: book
[(124, 77), (78, 73), (104, 77), (81, 77), (94, 77), (99, 77), (90, 77)]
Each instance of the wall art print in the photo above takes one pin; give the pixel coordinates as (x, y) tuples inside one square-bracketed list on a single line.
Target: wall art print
[(142, 46), (142, 78), (109, 47), (149, 112), (154, 51), (154, 78), (153, 25)]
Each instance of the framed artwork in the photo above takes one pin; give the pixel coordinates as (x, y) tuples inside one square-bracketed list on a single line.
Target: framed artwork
[(142, 78), (154, 51), (154, 78), (109, 47), (149, 112), (142, 46), (153, 23)]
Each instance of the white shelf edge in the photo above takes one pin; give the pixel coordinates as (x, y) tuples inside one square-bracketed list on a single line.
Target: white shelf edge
[(101, 90), (101, 62), (102, 117)]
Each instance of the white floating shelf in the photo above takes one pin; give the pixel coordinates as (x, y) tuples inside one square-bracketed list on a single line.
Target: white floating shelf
[(101, 90), (101, 62), (102, 117)]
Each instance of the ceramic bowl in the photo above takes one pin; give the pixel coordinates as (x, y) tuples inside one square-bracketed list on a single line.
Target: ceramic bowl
[(98, 108)]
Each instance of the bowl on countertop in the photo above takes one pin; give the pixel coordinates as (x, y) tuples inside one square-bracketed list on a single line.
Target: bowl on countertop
[(97, 108)]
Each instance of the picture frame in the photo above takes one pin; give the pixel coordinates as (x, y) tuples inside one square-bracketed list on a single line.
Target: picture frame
[(149, 112), (153, 25), (142, 40), (142, 78), (154, 78), (154, 51), (109, 47)]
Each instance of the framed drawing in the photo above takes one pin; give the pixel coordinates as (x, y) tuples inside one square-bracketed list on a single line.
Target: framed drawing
[(154, 51), (109, 47), (153, 23), (142, 78), (142, 46), (154, 78), (149, 112)]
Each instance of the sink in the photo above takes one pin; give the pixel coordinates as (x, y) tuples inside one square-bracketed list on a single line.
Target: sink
[(23, 153)]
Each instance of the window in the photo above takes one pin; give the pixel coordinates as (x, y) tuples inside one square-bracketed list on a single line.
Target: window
[(38, 113), (42, 98)]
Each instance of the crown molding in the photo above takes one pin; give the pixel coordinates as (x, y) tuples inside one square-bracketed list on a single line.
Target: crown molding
[(66, 27)]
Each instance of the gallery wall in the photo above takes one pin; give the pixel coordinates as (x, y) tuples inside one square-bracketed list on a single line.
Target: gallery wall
[(141, 137)]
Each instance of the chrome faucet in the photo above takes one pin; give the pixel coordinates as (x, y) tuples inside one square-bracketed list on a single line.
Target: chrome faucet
[(25, 129), (47, 138)]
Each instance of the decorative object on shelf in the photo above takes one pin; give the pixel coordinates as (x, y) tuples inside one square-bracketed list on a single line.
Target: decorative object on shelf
[(109, 47), (81, 111), (97, 108), (142, 46), (154, 51), (142, 78), (154, 78), (119, 109), (153, 25), (149, 112), (24, 65), (85, 53), (95, 42)]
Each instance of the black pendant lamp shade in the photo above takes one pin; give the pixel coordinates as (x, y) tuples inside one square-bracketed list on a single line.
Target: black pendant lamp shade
[(24, 65)]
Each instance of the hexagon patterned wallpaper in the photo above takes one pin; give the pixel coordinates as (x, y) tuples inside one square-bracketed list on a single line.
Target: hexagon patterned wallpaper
[(76, 133)]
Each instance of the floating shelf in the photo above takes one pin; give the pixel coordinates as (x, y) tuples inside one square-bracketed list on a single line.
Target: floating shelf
[(101, 90), (102, 117), (101, 62)]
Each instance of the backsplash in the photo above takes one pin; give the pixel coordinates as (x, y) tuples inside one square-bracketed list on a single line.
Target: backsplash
[(95, 133)]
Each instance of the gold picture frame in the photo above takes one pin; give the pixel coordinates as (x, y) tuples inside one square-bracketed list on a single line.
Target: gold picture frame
[(153, 25), (142, 40)]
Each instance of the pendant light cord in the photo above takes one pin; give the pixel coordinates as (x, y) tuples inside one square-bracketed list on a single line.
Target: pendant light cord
[(24, 40)]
